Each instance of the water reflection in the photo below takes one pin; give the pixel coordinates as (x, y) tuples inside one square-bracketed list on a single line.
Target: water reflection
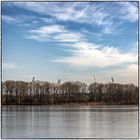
[(70, 122)]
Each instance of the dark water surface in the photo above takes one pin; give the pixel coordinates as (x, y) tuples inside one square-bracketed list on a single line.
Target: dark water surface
[(70, 121)]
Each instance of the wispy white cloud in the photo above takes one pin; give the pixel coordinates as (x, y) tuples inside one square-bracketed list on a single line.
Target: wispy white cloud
[(90, 13), (8, 19), (14, 19), (96, 56), (82, 52), (129, 11), (99, 14), (22, 20), (9, 66), (54, 33)]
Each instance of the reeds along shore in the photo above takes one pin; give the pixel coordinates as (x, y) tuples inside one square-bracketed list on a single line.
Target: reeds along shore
[(45, 93)]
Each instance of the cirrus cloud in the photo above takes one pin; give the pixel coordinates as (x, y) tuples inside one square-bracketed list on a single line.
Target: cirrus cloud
[(9, 66), (82, 53)]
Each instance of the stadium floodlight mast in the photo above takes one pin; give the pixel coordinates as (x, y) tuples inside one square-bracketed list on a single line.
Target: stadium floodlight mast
[(112, 79), (32, 86), (94, 78), (58, 86)]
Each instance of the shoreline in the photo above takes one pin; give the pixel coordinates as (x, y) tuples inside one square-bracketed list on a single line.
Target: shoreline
[(68, 104)]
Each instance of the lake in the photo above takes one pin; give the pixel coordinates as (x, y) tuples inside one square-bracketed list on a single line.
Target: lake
[(106, 121)]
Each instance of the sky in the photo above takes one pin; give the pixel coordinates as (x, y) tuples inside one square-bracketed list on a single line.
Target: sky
[(71, 41)]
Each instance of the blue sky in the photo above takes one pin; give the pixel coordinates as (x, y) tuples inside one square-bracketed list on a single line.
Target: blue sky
[(70, 41)]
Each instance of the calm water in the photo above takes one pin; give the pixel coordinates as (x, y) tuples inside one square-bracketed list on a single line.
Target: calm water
[(70, 122)]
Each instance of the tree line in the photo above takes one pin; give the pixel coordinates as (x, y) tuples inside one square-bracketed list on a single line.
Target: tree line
[(46, 93)]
